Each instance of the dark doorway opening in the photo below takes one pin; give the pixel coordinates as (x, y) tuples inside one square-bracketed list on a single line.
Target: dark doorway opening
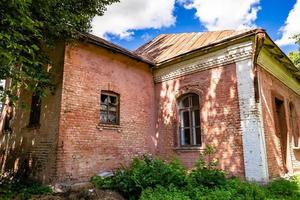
[(281, 129)]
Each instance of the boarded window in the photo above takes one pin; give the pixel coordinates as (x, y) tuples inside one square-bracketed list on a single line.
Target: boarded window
[(294, 125), (190, 130), (109, 108), (35, 111)]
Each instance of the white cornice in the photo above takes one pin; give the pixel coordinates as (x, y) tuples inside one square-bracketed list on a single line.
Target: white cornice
[(218, 58)]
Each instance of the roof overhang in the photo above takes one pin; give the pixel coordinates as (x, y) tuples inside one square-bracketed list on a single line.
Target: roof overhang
[(92, 39), (272, 48)]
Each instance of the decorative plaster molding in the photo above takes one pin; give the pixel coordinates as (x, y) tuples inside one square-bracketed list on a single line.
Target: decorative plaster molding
[(221, 57)]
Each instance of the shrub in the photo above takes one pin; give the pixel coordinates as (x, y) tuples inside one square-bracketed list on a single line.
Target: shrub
[(144, 172), (207, 177), (204, 193), (283, 187), (154, 179), (205, 172), (161, 193)]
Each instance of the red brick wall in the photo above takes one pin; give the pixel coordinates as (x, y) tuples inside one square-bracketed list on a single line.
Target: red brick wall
[(84, 148), (271, 87), (35, 147), (220, 120)]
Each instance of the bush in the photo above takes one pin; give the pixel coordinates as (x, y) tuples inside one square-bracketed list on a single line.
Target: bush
[(245, 190), (205, 173), (143, 173), (154, 179), (161, 193), (22, 190), (283, 187)]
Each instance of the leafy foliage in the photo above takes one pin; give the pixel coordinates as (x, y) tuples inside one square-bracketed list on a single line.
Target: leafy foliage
[(295, 56), (205, 173), (150, 178), (283, 187), (28, 29), (22, 190), (161, 193), (144, 172)]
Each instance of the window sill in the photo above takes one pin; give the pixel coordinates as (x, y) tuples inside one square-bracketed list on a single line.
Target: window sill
[(296, 148), (115, 127), (195, 148)]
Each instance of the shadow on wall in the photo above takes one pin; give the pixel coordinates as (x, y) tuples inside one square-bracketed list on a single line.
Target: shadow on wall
[(219, 110), (24, 152)]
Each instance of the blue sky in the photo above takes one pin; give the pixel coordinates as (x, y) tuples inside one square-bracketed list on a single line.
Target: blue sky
[(132, 23)]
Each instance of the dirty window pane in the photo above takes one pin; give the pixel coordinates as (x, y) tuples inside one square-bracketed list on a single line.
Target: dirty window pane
[(109, 108), (195, 100), (113, 100), (103, 107), (187, 137), (186, 119), (103, 116), (198, 136), (104, 98), (185, 102), (112, 117), (113, 108), (196, 118)]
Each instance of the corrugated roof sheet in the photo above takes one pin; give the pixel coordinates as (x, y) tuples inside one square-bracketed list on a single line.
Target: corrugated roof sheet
[(167, 46)]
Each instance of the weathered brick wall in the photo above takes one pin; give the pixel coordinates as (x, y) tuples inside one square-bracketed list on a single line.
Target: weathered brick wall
[(35, 148), (84, 147), (271, 86), (220, 120)]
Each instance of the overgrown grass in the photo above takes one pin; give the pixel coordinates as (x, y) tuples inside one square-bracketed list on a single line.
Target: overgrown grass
[(22, 190), (154, 179)]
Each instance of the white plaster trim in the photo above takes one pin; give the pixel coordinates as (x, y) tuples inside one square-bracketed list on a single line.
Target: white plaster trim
[(255, 159), (231, 54)]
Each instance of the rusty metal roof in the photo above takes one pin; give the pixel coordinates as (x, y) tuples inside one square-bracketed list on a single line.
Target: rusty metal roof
[(167, 46)]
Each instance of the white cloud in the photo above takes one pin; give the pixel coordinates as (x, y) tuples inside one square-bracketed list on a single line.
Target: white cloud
[(224, 14), (122, 18), (291, 26)]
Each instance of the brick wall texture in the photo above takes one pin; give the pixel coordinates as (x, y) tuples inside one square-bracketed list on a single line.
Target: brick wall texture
[(84, 147), (219, 116), (35, 148), (270, 88)]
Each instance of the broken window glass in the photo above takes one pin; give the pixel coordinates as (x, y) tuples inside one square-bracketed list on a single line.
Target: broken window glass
[(109, 108)]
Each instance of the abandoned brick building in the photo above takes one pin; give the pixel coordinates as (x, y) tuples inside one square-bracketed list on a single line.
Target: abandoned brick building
[(234, 90)]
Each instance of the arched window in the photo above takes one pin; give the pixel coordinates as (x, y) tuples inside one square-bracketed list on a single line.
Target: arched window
[(189, 115), (294, 125)]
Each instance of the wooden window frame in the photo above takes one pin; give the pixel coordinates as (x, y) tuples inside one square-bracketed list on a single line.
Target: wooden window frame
[(192, 124), (110, 94)]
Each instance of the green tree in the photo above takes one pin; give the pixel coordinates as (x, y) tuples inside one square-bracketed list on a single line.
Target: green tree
[(28, 28), (295, 56)]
